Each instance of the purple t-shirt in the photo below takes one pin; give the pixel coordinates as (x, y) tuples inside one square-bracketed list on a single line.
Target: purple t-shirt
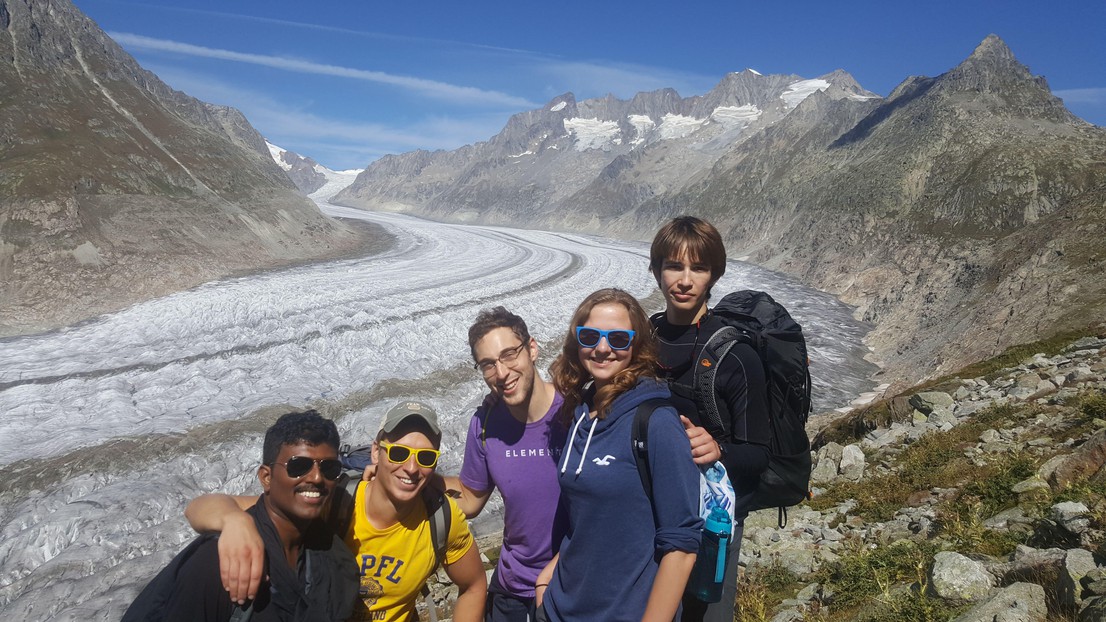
[(521, 461)]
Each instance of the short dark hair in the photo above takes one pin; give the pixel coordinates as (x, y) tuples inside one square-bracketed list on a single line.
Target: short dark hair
[(695, 236), (491, 319), (298, 427)]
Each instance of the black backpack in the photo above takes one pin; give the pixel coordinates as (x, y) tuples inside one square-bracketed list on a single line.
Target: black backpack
[(756, 319)]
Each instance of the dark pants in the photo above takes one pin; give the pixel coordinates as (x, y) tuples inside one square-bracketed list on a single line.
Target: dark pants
[(696, 610), (503, 606)]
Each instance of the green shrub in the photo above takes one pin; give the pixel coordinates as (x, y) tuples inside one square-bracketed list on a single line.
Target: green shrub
[(992, 484), (1092, 404), (863, 573), (761, 589)]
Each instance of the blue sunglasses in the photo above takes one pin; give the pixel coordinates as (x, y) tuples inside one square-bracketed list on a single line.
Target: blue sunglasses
[(617, 339)]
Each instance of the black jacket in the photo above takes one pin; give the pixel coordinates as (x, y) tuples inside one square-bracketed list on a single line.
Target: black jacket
[(322, 588)]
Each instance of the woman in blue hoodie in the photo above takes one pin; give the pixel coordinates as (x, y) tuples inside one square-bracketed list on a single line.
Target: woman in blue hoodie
[(625, 557)]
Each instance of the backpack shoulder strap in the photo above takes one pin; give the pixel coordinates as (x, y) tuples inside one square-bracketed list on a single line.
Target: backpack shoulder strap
[(340, 516), (441, 518), (706, 370), (639, 440)]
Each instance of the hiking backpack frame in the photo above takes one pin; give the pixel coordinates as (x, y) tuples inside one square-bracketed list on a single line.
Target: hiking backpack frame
[(754, 318)]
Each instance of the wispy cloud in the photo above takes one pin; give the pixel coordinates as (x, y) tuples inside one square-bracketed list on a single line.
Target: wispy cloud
[(430, 88), (1082, 96), (336, 143), (425, 41)]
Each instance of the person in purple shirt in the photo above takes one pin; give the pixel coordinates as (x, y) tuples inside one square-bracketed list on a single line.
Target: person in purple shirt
[(513, 443)]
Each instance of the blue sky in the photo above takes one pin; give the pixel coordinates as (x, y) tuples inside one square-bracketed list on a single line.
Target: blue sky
[(347, 81)]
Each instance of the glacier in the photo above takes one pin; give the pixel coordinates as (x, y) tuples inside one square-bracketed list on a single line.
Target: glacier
[(112, 425)]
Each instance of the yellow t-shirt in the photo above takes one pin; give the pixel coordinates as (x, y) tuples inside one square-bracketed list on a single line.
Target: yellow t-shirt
[(396, 562)]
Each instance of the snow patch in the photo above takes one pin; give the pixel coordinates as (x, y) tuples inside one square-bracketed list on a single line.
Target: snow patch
[(524, 153), (678, 126), (643, 124), (336, 181), (798, 91), (558, 107), (733, 117), (277, 152), (592, 133), (751, 70)]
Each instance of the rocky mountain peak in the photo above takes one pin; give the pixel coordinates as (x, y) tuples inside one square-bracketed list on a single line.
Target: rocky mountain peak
[(991, 67), (992, 47)]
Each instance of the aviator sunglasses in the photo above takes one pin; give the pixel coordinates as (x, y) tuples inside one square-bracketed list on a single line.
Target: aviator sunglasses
[(399, 454), (589, 337), (298, 466)]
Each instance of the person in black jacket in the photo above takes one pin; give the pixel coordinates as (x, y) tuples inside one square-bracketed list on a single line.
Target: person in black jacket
[(687, 258), (312, 576)]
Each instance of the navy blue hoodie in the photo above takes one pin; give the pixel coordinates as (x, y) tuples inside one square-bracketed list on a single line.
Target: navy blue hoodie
[(615, 539)]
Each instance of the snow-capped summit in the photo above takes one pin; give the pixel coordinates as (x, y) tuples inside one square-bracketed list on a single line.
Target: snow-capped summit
[(312, 178)]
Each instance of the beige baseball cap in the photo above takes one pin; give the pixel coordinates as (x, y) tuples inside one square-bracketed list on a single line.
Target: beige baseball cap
[(404, 410)]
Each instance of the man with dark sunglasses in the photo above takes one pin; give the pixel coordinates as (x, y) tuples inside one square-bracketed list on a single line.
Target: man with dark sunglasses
[(311, 574), (389, 532)]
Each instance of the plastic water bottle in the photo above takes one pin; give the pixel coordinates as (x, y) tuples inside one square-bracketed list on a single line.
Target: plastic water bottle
[(709, 572)]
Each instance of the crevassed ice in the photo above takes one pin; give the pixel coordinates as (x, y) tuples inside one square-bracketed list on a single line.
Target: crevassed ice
[(677, 126), (642, 124), (798, 91), (592, 133), (732, 117)]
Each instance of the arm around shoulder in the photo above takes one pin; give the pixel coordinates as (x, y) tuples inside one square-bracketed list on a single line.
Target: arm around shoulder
[(241, 550), (470, 501)]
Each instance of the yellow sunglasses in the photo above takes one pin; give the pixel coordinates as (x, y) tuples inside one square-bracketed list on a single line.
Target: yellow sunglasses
[(399, 454)]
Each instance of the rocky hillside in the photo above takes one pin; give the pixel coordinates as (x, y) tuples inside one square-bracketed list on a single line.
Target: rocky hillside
[(961, 214), (115, 188), (982, 493)]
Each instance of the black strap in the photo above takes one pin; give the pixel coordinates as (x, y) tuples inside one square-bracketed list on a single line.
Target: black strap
[(706, 370), (242, 614), (437, 510), (639, 440)]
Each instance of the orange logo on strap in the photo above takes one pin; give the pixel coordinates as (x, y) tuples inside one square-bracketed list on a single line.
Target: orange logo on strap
[(704, 363)]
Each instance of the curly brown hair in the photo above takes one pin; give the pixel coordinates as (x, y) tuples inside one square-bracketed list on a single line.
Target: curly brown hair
[(569, 375)]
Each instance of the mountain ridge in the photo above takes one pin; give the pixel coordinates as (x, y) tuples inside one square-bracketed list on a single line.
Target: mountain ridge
[(927, 210)]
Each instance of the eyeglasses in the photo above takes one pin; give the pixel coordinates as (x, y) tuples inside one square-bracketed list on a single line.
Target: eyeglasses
[(617, 339), (299, 466), (507, 357), (399, 454)]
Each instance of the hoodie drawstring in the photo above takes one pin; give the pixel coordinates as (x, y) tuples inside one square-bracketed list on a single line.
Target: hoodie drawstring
[(572, 439), (584, 455)]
